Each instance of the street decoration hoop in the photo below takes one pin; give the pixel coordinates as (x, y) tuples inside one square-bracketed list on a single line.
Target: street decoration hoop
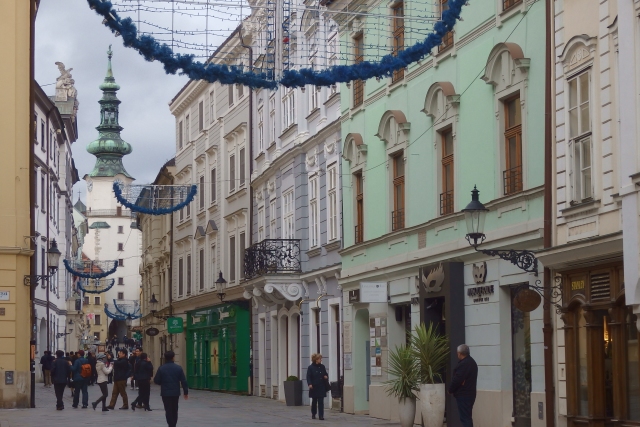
[(154, 199), (90, 269)]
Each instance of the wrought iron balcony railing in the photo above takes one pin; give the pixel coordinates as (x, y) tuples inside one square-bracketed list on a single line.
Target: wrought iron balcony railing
[(359, 233), (272, 256), (397, 219), (446, 202), (512, 180)]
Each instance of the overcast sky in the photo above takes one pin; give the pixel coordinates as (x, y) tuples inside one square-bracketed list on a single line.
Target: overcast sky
[(70, 32)]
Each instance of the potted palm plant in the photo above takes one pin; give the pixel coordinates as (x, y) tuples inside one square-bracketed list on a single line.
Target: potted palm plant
[(431, 351), (293, 391), (403, 368)]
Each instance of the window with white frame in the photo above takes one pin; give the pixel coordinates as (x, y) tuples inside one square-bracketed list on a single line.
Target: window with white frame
[(289, 109), (332, 194), (180, 277), (580, 137), (260, 130), (200, 116), (212, 104), (187, 130), (242, 168), (288, 220), (232, 173), (213, 185), (313, 211), (201, 191), (230, 89), (240, 91), (261, 219), (272, 120), (213, 263), (180, 135), (272, 219)]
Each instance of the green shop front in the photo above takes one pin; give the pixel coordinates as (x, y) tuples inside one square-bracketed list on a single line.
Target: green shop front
[(218, 341)]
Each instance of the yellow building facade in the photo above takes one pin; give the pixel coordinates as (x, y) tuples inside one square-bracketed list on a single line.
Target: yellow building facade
[(15, 246)]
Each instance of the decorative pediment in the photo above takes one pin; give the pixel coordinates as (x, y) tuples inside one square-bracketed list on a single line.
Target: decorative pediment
[(506, 66), (394, 128), (353, 145), (441, 102), (211, 227), (579, 50), (199, 232)]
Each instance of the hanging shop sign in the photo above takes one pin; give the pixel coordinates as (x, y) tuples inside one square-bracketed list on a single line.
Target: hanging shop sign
[(527, 300), (152, 332), (175, 325), (373, 292), (480, 293)]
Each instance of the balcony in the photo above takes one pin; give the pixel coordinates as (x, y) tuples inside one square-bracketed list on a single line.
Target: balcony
[(397, 219), (446, 203), (512, 180), (272, 256)]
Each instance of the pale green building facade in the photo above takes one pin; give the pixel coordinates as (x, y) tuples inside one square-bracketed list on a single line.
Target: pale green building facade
[(413, 148)]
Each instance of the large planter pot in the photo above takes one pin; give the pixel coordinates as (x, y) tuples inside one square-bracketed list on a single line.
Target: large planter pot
[(293, 393), (407, 411), (432, 400)]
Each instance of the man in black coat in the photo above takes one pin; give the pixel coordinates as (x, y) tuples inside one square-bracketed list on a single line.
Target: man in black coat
[(46, 360), (94, 374), (463, 385), (170, 377), (60, 370), (122, 370)]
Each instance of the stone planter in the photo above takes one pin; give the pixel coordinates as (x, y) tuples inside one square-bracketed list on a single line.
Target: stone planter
[(407, 411), (293, 393), (432, 400)]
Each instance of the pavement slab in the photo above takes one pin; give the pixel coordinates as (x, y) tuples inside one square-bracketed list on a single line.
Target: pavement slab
[(204, 408)]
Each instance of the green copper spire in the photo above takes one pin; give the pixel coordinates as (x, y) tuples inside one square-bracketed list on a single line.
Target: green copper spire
[(109, 147)]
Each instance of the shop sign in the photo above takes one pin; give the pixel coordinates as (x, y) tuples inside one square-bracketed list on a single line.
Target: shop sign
[(347, 361), (373, 292), (527, 300), (152, 332), (577, 285), (4, 295), (480, 293), (174, 325)]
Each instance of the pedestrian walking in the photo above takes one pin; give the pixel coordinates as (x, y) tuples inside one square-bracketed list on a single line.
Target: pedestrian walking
[(103, 369), (463, 385), (60, 370), (94, 374), (133, 359), (81, 374), (121, 373), (142, 375), (170, 377), (109, 362), (46, 360), (317, 380)]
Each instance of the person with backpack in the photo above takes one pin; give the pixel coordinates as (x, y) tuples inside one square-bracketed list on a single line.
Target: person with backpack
[(122, 370), (81, 374), (60, 369)]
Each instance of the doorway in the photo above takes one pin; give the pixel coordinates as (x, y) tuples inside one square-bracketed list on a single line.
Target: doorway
[(361, 361)]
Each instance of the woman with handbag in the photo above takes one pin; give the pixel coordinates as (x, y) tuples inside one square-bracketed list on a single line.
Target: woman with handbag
[(103, 369), (317, 380)]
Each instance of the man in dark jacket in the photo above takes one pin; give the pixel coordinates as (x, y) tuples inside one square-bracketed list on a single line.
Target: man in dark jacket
[(60, 370), (463, 385), (133, 359), (46, 360), (80, 382), (122, 371), (170, 377), (94, 374)]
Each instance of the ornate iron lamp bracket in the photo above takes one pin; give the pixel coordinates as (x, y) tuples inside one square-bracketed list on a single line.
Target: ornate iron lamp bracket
[(555, 296), (525, 260)]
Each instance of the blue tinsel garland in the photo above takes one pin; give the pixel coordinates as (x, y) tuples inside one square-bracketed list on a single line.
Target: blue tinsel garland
[(159, 211), (111, 315), (113, 281), (124, 313), (90, 275), (152, 50)]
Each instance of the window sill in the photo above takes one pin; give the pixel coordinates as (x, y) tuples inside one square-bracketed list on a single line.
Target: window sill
[(313, 114), (236, 194), (581, 207), (510, 12), (333, 98), (289, 131), (333, 245), (213, 207), (260, 157), (314, 252)]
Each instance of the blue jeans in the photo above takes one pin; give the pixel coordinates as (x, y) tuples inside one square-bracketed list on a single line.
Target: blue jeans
[(465, 409), (80, 385), (317, 402)]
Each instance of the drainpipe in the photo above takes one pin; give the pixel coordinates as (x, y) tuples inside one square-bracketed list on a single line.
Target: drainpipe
[(250, 225), (32, 197), (547, 328), (171, 276)]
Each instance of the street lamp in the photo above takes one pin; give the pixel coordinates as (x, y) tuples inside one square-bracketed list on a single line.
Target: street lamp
[(128, 321), (53, 259), (475, 214), (221, 285), (153, 303)]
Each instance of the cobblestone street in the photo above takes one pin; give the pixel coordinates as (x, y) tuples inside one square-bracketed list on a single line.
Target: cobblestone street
[(202, 409)]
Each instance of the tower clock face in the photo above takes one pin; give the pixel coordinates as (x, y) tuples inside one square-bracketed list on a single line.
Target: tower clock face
[(89, 186)]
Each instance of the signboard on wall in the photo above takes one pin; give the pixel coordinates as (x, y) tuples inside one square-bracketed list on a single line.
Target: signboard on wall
[(174, 325), (373, 292)]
